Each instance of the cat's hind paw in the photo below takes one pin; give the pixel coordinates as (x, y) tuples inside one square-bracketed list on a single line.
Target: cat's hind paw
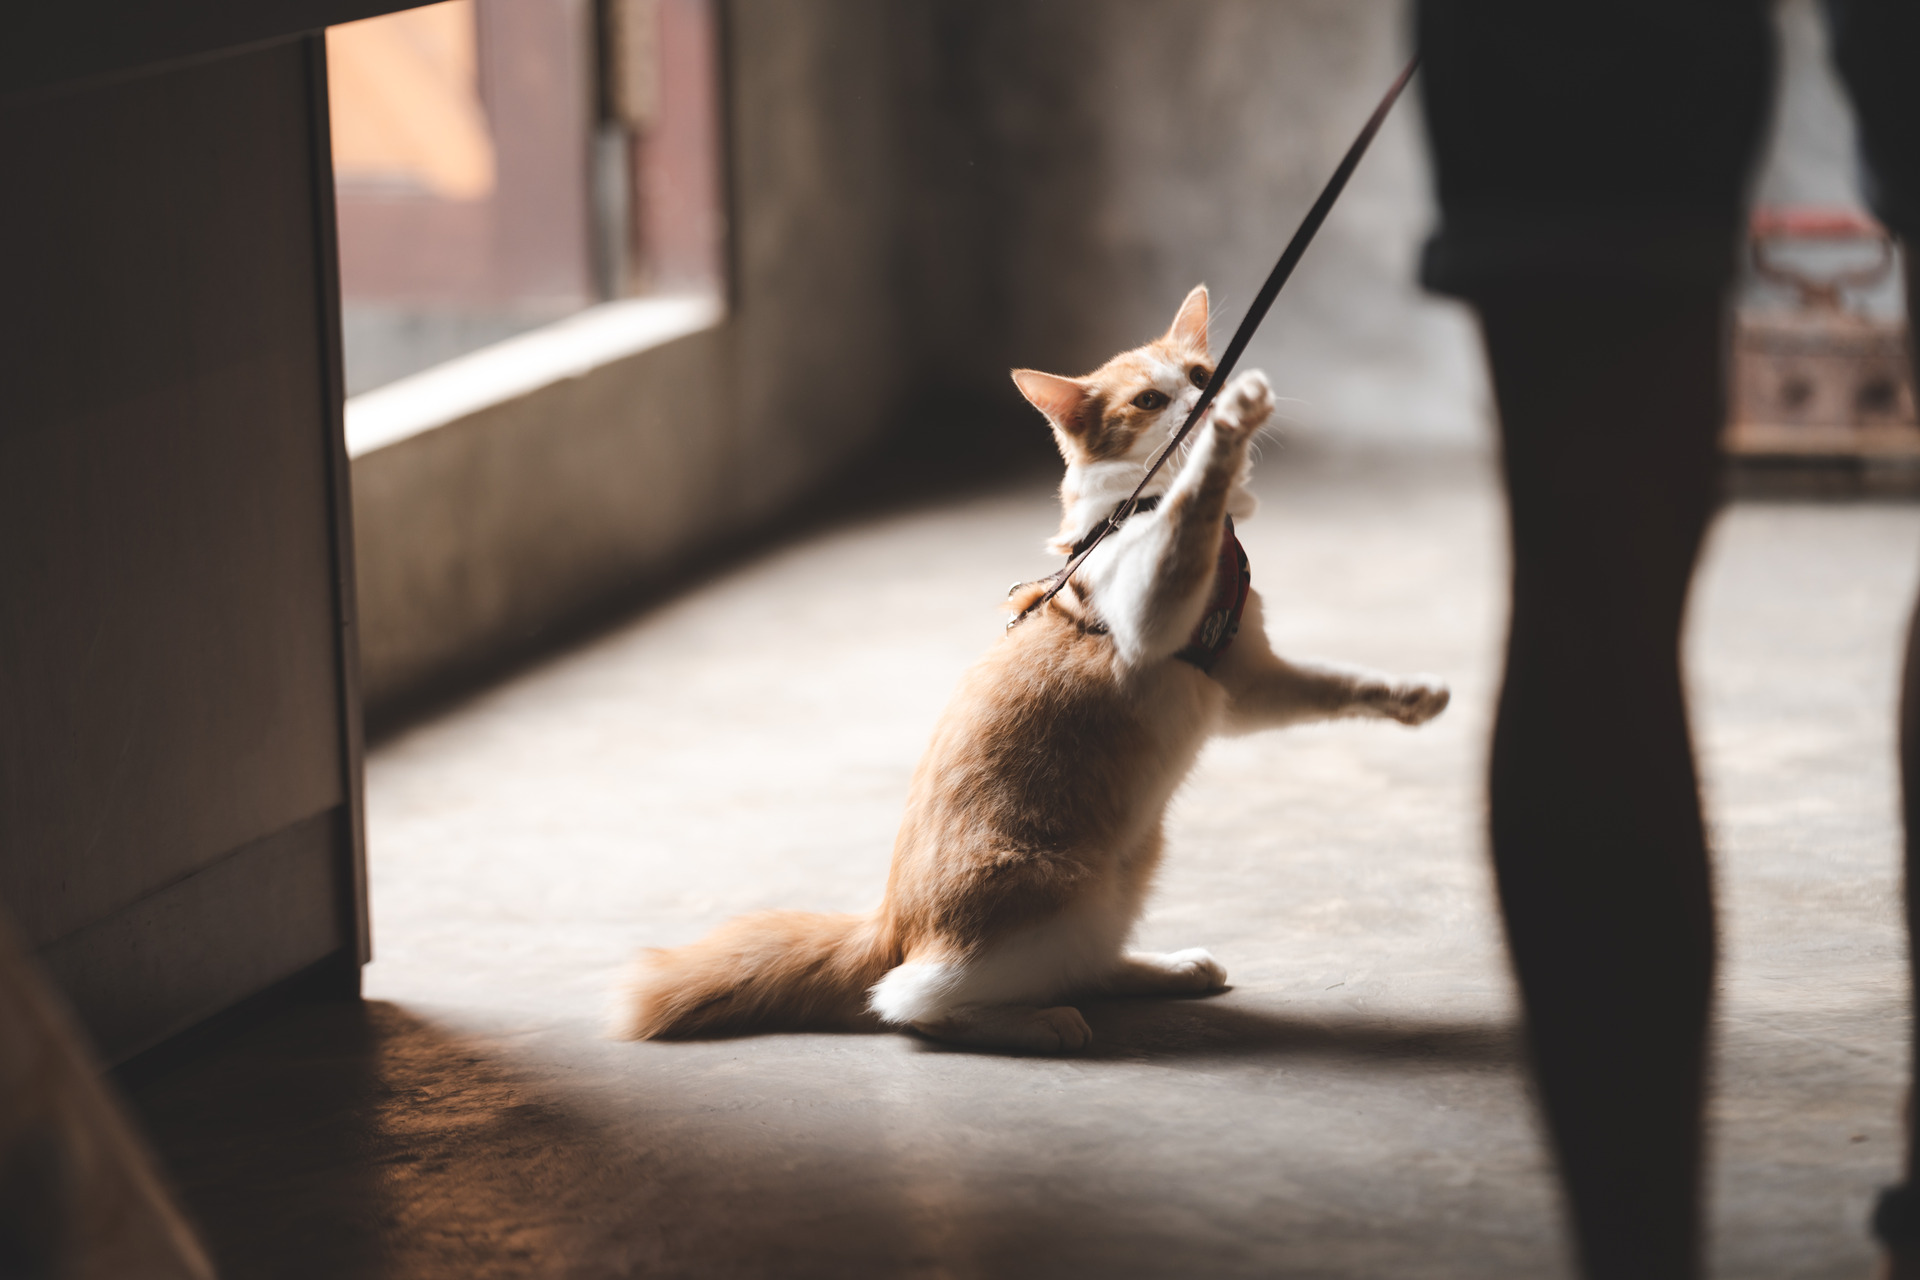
[(1019, 1028), (1059, 1030), (1192, 972)]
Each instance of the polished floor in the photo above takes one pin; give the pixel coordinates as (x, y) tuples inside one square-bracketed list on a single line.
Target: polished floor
[(1353, 1107)]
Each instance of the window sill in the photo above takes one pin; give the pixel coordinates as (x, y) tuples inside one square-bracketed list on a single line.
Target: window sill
[(521, 366)]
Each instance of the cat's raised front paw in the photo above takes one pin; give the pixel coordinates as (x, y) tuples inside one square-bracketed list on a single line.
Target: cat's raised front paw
[(1414, 700), (1244, 406)]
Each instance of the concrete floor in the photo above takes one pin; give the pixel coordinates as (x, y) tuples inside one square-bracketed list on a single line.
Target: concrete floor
[(1353, 1107)]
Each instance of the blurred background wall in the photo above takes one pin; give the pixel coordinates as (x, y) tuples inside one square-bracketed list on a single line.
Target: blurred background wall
[(919, 195), (1069, 168), (1075, 166)]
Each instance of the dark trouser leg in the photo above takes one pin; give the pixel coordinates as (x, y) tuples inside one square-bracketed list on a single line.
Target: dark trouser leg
[(1899, 1215), (1610, 404), (1898, 1221)]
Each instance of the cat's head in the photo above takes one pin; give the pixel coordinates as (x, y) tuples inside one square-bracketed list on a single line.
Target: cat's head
[(1130, 406)]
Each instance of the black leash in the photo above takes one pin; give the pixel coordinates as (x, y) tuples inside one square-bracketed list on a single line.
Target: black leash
[(1296, 249)]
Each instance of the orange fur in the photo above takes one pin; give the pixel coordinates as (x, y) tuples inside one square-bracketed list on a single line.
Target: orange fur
[(775, 970), (1033, 825), (1037, 783), (1094, 418)]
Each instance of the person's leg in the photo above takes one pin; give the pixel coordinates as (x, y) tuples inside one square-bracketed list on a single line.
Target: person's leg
[(1897, 1218), (1591, 164), (1875, 46), (1610, 405)]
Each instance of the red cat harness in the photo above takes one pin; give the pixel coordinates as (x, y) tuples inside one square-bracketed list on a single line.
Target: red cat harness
[(1232, 579)]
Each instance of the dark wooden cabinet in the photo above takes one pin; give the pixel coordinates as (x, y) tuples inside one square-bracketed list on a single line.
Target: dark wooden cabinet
[(179, 743)]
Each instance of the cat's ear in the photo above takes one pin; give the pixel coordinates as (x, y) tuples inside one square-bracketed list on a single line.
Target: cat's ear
[(1061, 399), (1190, 326)]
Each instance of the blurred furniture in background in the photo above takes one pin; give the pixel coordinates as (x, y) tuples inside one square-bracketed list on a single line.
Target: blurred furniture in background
[(1821, 380)]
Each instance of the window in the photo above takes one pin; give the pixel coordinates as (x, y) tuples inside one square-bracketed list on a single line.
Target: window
[(501, 164)]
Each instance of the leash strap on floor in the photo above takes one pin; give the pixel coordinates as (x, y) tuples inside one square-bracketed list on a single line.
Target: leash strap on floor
[(1262, 301)]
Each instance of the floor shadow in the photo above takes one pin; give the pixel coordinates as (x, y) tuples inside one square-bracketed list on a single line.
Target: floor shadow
[(1167, 1029), (362, 1140), (1148, 1028), (359, 1140), (1153, 1028), (1134, 1030), (266, 1136)]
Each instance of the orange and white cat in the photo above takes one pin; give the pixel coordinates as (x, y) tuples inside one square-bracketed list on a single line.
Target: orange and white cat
[(1034, 822)]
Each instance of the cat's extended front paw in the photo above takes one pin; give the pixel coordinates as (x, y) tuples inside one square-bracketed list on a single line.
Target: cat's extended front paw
[(1244, 406), (1195, 970), (1414, 700)]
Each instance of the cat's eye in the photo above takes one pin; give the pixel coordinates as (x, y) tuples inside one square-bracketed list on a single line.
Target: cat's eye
[(1198, 375), (1150, 400)]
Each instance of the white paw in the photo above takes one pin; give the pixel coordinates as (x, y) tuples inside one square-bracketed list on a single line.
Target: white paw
[(1058, 1030), (1196, 969), (1244, 406), (1414, 700)]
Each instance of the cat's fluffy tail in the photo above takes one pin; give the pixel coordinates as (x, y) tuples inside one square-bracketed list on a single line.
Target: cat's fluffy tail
[(776, 970)]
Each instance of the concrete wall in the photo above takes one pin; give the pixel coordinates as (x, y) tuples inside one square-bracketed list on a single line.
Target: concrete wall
[(482, 539), (1063, 171), (818, 360), (1089, 161), (1071, 167), (925, 193), (476, 540)]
